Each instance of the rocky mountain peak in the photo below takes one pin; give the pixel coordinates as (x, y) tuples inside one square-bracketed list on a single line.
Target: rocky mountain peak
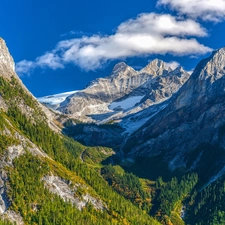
[(5, 57), (214, 66), (122, 68), (119, 66), (155, 67)]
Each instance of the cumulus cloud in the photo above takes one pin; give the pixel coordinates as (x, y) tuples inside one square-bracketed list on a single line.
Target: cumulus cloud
[(24, 67), (208, 10), (161, 24), (173, 65), (145, 35), (48, 60)]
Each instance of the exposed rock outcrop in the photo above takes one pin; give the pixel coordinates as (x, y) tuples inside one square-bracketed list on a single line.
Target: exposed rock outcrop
[(68, 193), (6, 59)]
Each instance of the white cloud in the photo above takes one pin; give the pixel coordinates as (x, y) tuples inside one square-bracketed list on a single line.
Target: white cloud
[(24, 67), (173, 65), (208, 10), (48, 60), (161, 24), (147, 34)]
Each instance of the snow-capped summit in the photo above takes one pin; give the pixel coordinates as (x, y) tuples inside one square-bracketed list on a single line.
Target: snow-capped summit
[(124, 90)]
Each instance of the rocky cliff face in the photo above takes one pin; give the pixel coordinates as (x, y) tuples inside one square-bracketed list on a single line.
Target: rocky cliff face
[(102, 98), (193, 118), (7, 71), (6, 59), (61, 187)]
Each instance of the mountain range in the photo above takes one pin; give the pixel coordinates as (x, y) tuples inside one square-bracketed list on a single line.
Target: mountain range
[(154, 111), (124, 92), (126, 98), (161, 152)]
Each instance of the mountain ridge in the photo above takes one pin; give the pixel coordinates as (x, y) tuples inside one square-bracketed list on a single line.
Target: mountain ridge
[(123, 83), (195, 110)]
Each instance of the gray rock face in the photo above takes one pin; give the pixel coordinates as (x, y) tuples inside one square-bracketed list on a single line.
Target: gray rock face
[(7, 64), (154, 83), (156, 68), (5, 58), (60, 187), (159, 88), (194, 117), (5, 202)]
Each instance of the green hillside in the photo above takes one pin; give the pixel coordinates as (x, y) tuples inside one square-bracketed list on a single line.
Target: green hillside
[(26, 191)]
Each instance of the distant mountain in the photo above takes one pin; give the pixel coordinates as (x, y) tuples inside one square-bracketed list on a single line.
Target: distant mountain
[(127, 99), (125, 91)]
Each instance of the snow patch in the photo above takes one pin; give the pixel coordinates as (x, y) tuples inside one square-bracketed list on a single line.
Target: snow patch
[(132, 124), (126, 104), (55, 99)]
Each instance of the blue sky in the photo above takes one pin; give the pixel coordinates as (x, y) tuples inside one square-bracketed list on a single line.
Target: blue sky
[(62, 45)]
